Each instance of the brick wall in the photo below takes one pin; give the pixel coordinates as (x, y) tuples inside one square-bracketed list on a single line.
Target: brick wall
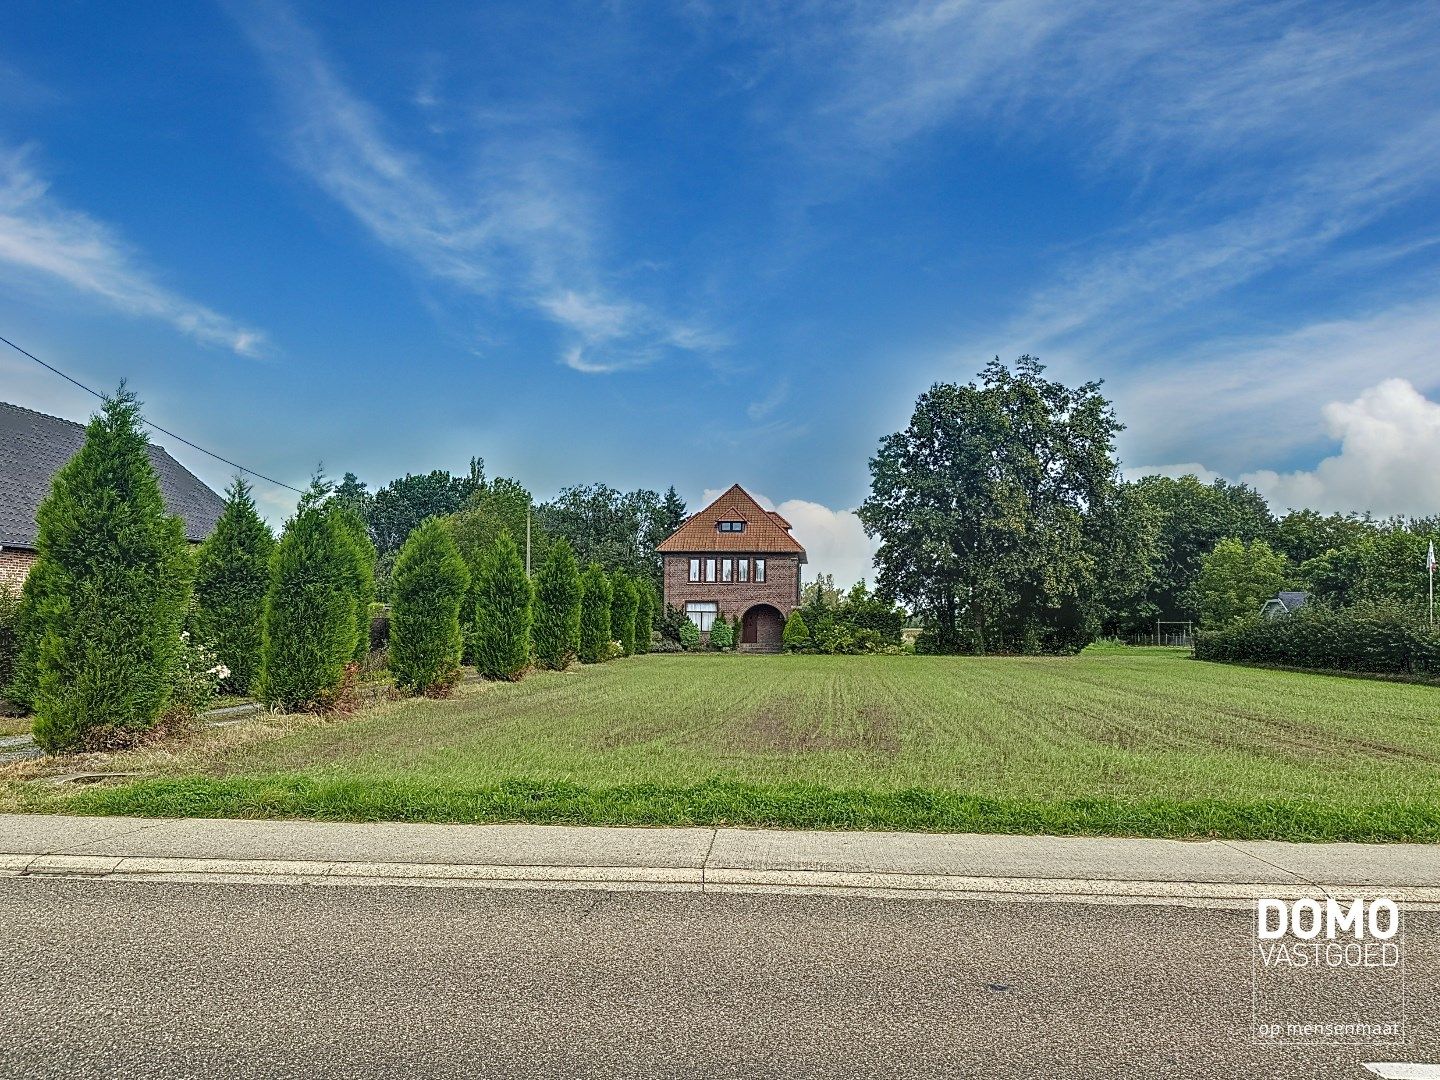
[(15, 563), (781, 587)]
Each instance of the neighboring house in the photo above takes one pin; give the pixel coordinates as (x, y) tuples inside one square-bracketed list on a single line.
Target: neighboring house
[(1283, 604), (735, 558), (34, 446)]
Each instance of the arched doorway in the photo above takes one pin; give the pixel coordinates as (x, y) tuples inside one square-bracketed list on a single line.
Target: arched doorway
[(761, 625)]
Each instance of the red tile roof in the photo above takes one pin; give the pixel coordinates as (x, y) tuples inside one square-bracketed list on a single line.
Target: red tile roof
[(765, 530)]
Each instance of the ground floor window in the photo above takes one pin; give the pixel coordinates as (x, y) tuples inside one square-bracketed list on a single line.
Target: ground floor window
[(701, 614)]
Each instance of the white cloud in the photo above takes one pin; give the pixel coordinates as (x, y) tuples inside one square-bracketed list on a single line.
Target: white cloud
[(1186, 468), (1389, 459), (42, 238), (520, 224), (835, 541)]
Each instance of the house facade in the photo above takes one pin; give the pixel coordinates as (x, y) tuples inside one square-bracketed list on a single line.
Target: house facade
[(735, 559), (33, 447)]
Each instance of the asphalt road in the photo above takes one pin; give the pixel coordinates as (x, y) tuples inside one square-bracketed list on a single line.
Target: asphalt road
[(188, 980)]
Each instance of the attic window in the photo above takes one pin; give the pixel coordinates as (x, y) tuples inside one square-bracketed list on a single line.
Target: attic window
[(731, 526)]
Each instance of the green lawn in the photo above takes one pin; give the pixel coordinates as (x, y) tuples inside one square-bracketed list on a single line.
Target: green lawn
[(1135, 742)]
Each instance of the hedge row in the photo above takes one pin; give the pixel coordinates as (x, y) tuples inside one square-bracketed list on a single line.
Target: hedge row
[(1376, 639)]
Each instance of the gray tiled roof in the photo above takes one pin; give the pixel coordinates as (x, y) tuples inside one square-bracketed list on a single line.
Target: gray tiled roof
[(33, 446), (1293, 600)]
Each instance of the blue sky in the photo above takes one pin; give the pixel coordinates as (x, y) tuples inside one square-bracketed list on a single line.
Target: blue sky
[(696, 243)]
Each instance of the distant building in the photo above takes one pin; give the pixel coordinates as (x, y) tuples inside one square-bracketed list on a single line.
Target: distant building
[(735, 558), (33, 447), (1283, 604)]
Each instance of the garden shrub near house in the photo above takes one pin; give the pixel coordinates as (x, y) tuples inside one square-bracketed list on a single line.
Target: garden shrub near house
[(644, 615), (624, 601), (9, 636), (232, 574), (309, 635), (111, 588), (503, 612), (1385, 639), (796, 634), (429, 584), (722, 634), (557, 608), (689, 635), (595, 600)]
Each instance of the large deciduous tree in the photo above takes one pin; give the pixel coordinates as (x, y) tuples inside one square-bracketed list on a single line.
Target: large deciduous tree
[(106, 600), (401, 505), (992, 511), (232, 575), (1235, 579)]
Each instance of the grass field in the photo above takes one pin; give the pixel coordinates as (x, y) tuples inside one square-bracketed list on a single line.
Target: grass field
[(1130, 742)]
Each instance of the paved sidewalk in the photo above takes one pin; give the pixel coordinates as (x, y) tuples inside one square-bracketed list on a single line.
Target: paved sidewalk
[(713, 860)]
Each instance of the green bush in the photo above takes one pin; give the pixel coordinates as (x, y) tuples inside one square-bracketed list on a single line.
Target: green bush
[(796, 635), (644, 615), (309, 633), (503, 612), (669, 622), (362, 570), (1386, 639), (196, 679), (429, 584), (595, 600), (107, 597), (689, 634), (9, 635), (722, 634), (624, 601), (557, 608), (232, 574)]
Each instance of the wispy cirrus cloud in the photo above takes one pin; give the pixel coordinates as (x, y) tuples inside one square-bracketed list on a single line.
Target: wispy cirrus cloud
[(518, 226), (42, 239)]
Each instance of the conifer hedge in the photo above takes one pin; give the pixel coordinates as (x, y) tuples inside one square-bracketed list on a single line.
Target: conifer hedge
[(623, 603), (722, 634), (557, 608), (106, 599), (309, 633), (428, 587), (644, 615), (232, 575), (1383, 639), (503, 612), (362, 570), (595, 599)]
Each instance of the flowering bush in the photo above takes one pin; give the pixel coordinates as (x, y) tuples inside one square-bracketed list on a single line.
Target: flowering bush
[(197, 678)]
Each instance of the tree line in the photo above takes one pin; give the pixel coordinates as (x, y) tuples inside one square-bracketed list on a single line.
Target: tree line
[(1005, 525)]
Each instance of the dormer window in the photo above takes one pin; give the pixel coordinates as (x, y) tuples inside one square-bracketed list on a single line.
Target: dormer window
[(731, 526)]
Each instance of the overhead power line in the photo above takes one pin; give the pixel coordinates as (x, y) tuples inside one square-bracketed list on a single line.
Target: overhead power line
[(152, 424)]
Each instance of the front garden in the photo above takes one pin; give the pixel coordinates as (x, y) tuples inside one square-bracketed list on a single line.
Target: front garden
[(1117, 741)]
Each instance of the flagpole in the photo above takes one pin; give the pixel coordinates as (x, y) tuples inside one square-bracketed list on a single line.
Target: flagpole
[(1430, 565)]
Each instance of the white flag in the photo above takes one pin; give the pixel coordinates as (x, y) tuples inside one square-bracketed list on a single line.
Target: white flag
[(1430, 558)]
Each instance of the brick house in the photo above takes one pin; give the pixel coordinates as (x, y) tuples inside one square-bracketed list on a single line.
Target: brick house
[(33, 447), (735, 558)]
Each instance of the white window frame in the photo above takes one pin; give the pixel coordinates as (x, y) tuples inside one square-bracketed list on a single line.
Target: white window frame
[(702, 613)]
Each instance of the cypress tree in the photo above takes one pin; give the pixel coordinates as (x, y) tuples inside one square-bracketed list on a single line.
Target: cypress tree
[(232, 574), (595, 599), (429, 586), (309, 633), (112, 584), (624, 601), (644, 615), (362, 569), (503, 612), (557, 608), (722, 634), (796, 634)]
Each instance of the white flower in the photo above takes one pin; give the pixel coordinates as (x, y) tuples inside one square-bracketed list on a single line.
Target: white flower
[(220, 671)]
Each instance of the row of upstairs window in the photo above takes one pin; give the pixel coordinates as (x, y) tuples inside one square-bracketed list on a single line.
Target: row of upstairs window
[(727, 571)]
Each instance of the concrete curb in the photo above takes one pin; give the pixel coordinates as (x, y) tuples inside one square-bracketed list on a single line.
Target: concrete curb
[(686, 879)]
